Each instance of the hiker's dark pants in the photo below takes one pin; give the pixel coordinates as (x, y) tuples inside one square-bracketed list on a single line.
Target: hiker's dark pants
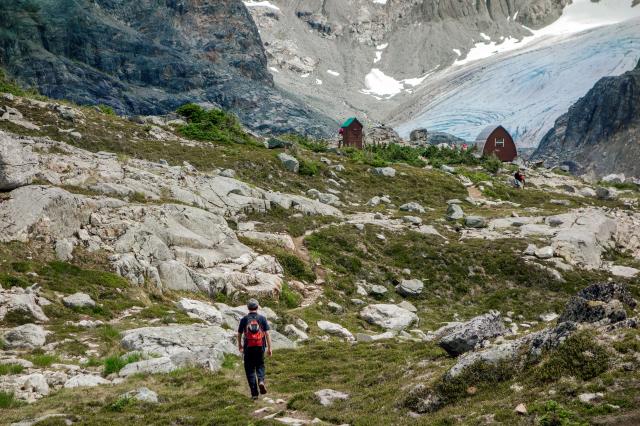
[(254, 365)]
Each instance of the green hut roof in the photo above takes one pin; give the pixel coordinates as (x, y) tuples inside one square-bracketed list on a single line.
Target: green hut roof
[(348, 122)]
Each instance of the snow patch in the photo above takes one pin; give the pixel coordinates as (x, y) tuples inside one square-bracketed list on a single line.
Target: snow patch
[(318, 81), (378, 84), (304, 75), (267, 4), (274, 69), (333, 73), (377, 58), (484, 36), (380, 1), (382, 46), (457, 52)]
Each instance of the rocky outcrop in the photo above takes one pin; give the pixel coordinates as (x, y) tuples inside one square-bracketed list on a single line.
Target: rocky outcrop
[(16, 165), (598, 302), (187, 247), (150, 58), (26, 303), (465, 337), (597, 136)]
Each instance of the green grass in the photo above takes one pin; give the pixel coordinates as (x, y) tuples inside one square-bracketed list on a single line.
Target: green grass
[(8, 400), (7, 369), (9, 86), (193, 397), (41, 359), (109, 334), (115, 363)]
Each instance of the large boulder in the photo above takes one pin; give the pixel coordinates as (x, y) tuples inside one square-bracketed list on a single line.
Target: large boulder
[(164, 364), (326, 397), (412, 207), (588, 235), (598, 302), (419, 136), (454, 212), (535, 344), (177, 346), (200, 310), (18, 164), (85, 380), (23, 302), (606, 193), (384, 171), (195, 344), (335, 330), (27, 336), (382, 135), (289, 162), (465, 337), (410, 288), (391, 317), (614, 178), (475, 222), (78, 300)]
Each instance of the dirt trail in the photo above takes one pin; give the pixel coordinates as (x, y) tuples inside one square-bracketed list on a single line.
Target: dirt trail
[(474, 192)]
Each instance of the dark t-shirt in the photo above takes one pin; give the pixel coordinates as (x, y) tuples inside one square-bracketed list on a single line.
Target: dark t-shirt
[(264, 324)]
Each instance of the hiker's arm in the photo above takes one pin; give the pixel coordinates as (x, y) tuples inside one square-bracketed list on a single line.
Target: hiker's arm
[(268, 343), (240, 341)]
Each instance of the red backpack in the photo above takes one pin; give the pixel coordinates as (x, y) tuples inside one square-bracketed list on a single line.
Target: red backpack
[(253, 333)]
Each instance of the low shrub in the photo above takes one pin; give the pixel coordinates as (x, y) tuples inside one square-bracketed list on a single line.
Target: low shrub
[(308, 167), (579, 356), (106, 109), (315, 145), (290, 298), (492, 164), (294, 266), (213, 125)]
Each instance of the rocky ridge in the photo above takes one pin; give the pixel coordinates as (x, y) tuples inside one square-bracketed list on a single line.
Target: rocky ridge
[(597, 135), (150, 59)]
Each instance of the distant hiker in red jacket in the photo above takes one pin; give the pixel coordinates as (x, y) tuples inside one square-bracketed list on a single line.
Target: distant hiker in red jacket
[(253, 341)]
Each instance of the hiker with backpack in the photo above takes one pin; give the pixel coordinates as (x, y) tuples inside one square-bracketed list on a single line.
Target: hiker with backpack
[(253, 342)]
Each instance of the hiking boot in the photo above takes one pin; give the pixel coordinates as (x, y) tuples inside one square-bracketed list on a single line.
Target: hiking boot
[(263, 388), (254, 397)]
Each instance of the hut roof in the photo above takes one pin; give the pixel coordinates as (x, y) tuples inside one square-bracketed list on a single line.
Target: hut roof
[(482, 138), (348, 122)]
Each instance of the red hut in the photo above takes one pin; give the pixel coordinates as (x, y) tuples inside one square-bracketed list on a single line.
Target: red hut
[(496, 140), (351, 131)]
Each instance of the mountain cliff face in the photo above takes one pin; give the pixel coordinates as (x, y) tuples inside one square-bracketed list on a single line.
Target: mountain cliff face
[(367, 56), (148, 57), (601, 133)]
